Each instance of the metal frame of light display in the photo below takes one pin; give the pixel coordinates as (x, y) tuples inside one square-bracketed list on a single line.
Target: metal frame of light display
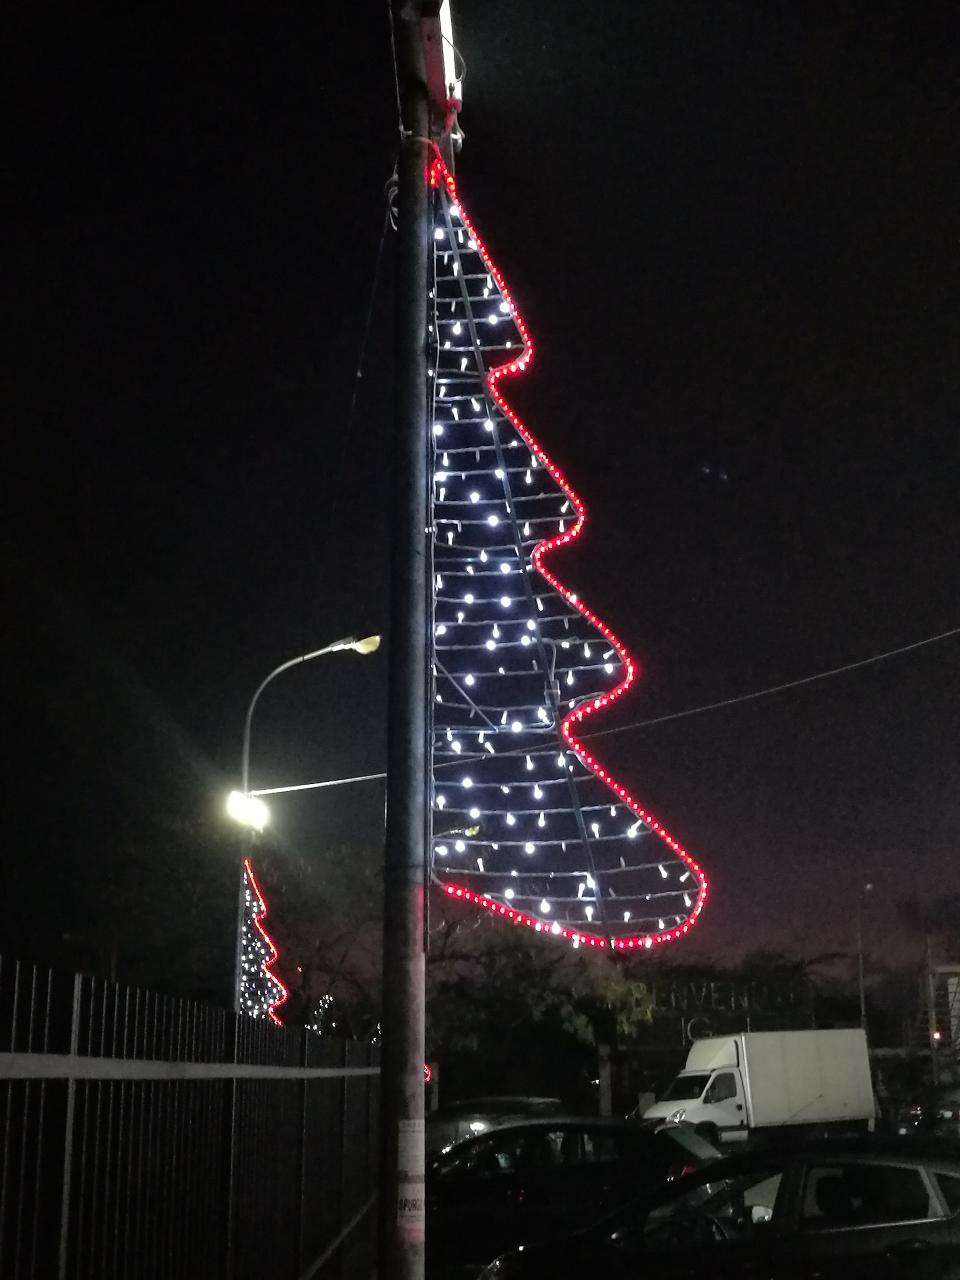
[(527, 822)]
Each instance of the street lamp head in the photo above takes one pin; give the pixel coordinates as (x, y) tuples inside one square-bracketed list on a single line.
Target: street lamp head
[(248, 810), (369, 644)]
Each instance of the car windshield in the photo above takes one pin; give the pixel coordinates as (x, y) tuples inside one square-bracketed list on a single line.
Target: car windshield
[(685, 1088), (739, 1207)]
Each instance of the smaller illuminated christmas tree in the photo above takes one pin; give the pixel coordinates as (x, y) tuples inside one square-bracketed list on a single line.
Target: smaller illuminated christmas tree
[(261, 991)]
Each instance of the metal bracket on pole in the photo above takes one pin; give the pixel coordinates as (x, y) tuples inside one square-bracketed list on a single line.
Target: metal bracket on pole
[(442, 66)]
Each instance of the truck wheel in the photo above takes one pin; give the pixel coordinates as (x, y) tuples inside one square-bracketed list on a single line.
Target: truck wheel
[(709, 1132)]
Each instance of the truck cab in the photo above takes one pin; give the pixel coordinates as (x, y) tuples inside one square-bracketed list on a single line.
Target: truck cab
[(709, 1096)]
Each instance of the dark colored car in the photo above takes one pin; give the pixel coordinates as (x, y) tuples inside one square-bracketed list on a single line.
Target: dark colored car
[(531, 1180), (865, 1211), (472, 1116)]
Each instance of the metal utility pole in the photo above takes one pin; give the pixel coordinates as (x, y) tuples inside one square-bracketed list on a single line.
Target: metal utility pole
[(933, 1030), (423, 47), (861, 983)]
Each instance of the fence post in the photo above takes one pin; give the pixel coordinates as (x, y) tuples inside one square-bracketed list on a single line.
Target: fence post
[(302, 1170), (230, 1160), (345, 1150), (67, 1183)]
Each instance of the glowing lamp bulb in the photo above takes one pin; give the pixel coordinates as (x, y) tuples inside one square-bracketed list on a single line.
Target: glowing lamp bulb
[(545, 906), (248, 810)]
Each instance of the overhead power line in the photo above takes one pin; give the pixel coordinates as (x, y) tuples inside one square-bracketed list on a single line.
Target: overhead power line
[(777, 688), (674, 715)]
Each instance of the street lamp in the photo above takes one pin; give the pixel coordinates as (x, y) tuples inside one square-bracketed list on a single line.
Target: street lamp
[(250, 810), (368, 644), (865, 889)]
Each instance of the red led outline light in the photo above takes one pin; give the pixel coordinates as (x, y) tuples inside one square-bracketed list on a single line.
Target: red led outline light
[(271, 946), (439, 172)]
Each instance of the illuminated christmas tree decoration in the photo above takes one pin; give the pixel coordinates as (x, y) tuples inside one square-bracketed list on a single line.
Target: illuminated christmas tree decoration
[(261, 991), (580, 859)]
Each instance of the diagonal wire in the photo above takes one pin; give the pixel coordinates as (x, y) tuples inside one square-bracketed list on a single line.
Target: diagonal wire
[(778, 688), (675, 715), (396, 69)]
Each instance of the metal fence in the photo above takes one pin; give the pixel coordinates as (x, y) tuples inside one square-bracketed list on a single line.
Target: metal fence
[(147, 1137)]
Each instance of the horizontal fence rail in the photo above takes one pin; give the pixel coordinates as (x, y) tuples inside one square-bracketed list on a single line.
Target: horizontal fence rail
[(147, 1137)]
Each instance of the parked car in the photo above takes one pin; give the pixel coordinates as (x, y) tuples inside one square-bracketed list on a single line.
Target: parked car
[(867, 1210), (530, 1180), (761, 1082), (472, 1116)]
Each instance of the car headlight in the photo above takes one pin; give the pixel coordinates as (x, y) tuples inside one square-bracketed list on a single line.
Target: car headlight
[(676, 1117)]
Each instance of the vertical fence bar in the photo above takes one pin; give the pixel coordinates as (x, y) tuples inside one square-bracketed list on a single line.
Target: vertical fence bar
[(68, 1126), (107, 1194), (5, 1167), (24, 1129), (45, 1048), (302, 1162), (229, 1160)]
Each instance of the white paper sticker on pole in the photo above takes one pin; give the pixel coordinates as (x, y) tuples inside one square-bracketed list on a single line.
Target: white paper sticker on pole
[(411, 1198), (410, 1148), (411, 1212)]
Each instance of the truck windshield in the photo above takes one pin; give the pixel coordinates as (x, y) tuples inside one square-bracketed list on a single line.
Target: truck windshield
[(685, 1088)]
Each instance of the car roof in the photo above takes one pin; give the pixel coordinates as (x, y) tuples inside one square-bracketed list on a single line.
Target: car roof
[(466, 1106), (591, 1122), (870, 1148)]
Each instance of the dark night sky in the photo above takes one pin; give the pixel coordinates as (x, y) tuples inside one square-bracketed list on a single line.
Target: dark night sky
[(733, 230)]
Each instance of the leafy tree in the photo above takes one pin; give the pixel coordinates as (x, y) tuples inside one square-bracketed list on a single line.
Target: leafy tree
[(326, 913)]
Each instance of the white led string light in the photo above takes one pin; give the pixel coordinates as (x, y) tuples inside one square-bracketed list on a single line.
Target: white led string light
[(527, 827), (261, 991)]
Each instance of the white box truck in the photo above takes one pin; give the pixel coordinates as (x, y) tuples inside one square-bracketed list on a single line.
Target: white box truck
[(762, 1081)]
